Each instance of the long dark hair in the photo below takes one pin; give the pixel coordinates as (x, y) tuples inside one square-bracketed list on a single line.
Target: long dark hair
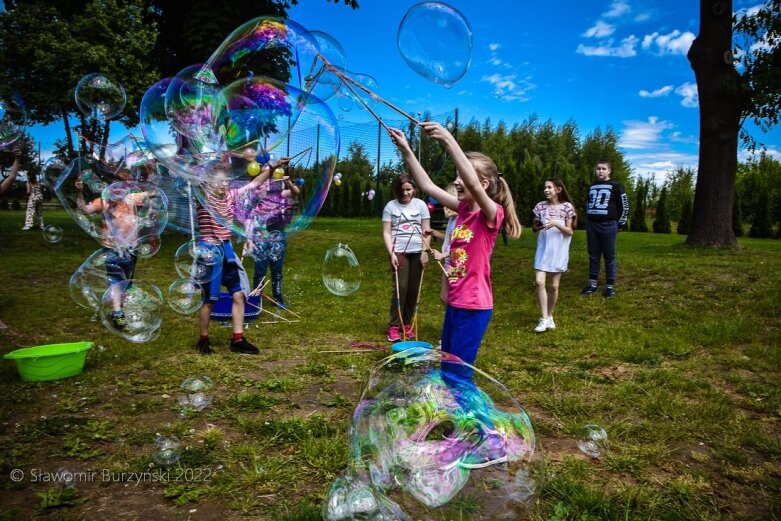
[(563, 196)]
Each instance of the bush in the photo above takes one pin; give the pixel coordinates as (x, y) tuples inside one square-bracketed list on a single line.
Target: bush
[(662, 221)]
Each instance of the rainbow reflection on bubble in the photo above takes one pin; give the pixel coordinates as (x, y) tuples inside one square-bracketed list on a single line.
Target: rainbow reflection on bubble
[(427, 443)]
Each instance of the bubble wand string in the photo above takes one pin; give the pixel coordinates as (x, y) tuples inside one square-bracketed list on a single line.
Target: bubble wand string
[(418, 229), (344, 78)]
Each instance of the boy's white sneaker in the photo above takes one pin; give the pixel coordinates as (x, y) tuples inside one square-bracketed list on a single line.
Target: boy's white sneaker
[(551, 324), (542, 325)]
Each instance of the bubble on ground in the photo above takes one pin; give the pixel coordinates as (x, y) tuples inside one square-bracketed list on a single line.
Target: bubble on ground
[(341, 271)]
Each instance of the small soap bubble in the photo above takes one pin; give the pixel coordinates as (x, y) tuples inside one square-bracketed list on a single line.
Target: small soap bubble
[(592, 440), (52, 233), (196, 397), (185, 296), (100, 97), (341, 272), (166, 451)]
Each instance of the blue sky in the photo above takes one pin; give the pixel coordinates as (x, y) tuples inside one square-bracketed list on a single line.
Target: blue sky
[(618, 63)]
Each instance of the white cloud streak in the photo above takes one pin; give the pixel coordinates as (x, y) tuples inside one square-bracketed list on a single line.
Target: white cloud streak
[(663, 91), (626, 49)]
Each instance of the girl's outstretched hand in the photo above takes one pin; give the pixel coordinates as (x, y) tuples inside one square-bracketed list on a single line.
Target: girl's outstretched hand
[(435, 130), (399, 139)]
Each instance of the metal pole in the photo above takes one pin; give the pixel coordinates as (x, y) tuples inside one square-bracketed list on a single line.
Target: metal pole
[(377, 178), (420, 137), (455, 130)]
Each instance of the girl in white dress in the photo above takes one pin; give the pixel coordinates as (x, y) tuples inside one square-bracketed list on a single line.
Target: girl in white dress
[(554, 220)]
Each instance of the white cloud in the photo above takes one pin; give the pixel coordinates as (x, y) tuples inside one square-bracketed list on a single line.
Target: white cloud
[(493, 60), (626, 49), (663, 91), (675, 42), (658, 164), (493, 46), (688, 91), (508, 88), (617, 8), (599, 30), (643, 135), (678, 137)]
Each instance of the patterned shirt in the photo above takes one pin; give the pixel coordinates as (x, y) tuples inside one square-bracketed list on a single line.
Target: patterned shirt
[(469, 272), (211, 230)]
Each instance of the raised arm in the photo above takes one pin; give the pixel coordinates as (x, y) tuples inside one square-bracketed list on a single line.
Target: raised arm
[(8, 181), (466, 172), (93, 207), (420, 176)]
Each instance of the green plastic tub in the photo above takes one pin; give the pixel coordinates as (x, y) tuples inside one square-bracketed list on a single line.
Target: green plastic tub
[(50, 362)]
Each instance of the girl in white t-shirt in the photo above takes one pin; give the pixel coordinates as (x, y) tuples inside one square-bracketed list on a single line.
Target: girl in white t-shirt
[(403, 222), (554, 220)]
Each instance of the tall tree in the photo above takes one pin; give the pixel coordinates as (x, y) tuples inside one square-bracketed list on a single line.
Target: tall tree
[(726, 98)]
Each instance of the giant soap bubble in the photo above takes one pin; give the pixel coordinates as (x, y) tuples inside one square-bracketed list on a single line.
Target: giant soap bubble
[(341, 272), (99, 97), (13, 120), (435, 40), (428, 443)]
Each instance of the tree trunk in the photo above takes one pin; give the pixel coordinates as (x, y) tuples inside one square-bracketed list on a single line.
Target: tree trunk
[(720, 109), (68, 137)]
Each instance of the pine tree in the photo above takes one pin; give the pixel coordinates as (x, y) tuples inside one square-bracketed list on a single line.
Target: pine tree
[(638, 222), (662, 221), (686, 217)]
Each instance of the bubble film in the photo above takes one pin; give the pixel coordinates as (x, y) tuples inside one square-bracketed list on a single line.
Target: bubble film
[(258, 209), (265, 45), (90, 281), (341, 272), (320, 81), (95, 177), (196, 261), (132, 210), (435, 40), (185, 296), (141, 305), (13, 120), (99, 97), (181, 155), (427, 443)]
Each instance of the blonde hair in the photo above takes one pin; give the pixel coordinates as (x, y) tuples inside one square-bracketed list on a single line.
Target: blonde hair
[(451, 189), (497, 190)]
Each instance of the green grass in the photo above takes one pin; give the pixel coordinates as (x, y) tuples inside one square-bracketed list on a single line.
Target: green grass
[(682, 371)]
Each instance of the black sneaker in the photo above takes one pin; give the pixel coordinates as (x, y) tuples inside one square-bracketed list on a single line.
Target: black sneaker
[(204, 347), (119, 321), (588, 290), (244, 347), (610, 292)]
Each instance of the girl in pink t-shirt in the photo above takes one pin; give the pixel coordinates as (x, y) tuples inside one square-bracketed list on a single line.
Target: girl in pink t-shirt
[(484, 204)]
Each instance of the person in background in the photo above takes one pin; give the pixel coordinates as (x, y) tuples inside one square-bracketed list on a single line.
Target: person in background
[(554, 221), (607, 210), (403, 221), (34, 211)]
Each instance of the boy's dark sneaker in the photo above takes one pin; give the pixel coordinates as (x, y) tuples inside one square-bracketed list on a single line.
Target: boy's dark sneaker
[(204, 346), (119, 321), (244, 347), (588, 290), (610, 292)]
